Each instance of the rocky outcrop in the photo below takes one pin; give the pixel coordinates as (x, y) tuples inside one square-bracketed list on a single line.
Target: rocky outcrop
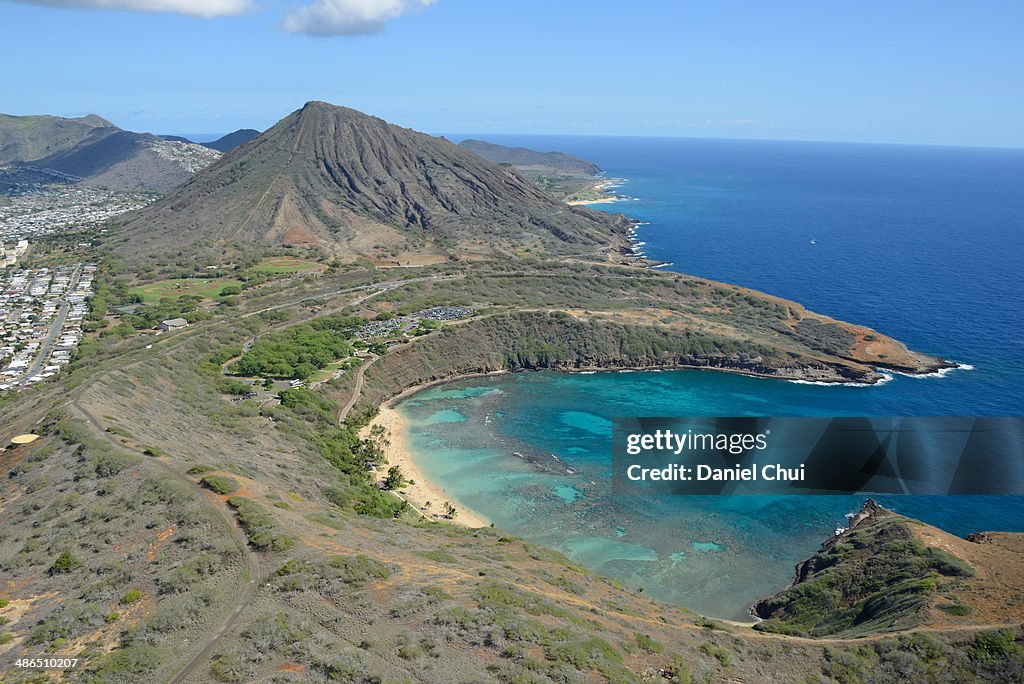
[(883, 573)]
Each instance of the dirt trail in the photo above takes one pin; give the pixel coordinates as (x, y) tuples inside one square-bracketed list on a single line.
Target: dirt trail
[(358, 389), (252, 563)]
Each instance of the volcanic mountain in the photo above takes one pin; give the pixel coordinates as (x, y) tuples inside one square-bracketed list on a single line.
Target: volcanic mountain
[(358, 187)]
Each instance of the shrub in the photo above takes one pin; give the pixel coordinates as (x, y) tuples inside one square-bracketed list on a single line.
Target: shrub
[(260, 528), (957, 609), (110, 464), (232, 386), (706, 623), (131, 597), (126, 664), (995, 644), (648, 644), (718, 653), (65, 563), (220, 484), (301, 349), (358, 570)]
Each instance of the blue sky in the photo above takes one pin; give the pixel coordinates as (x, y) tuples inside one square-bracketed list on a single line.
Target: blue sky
[(915, 71)]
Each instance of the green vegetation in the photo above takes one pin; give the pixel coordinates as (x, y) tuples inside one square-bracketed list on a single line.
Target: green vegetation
[(131, 597), (203, 288), (233, 386), (220, 484), (997, 644), (878, 577), (523, 619), (311, 416), (440, 557), (359, 570), (706, 623), (299, 351), (646, 643), (263, 532), (956, 609), (65, 563), (718, 653), (395, 478), (282, 266)]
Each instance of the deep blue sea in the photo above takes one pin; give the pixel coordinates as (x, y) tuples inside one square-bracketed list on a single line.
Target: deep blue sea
[(922, 243)]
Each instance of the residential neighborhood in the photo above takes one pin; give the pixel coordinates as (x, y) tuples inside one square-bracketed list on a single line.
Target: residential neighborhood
[(41, 314), (42, 309), (38, 202)]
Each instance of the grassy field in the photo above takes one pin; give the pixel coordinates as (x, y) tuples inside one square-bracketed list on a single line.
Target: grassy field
[(152, 293), (285, 265)]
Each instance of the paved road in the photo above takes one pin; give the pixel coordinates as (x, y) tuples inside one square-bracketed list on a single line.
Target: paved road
[(55, 330)]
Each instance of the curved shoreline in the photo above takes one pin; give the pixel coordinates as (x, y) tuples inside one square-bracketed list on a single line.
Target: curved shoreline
[(423, 491), (426, 496)]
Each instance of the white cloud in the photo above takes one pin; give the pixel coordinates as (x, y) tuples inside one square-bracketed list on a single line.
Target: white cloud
[(348, 17), (197, 8)]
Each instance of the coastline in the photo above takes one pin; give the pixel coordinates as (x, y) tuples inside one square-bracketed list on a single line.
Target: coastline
[(601, 200), (601, 187), (422, 490)]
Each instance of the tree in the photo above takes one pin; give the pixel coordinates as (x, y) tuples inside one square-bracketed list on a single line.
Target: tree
[(230, 290), (395, 478), (449, 510)]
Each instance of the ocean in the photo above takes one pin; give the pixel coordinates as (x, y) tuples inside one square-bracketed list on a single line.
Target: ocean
[(925, 244)]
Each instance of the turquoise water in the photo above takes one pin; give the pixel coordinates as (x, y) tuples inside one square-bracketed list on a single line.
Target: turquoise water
[(922, 243)]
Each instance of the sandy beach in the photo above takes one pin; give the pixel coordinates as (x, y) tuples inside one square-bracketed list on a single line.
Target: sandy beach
[(603, 200), (601, 186), (422, 491)]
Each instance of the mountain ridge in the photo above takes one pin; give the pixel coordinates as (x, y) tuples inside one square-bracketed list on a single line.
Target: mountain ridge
[(230, 141), (100, 153), (526, 159)]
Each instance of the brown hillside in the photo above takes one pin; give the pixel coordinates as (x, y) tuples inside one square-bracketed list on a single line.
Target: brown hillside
[(357, 186)]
